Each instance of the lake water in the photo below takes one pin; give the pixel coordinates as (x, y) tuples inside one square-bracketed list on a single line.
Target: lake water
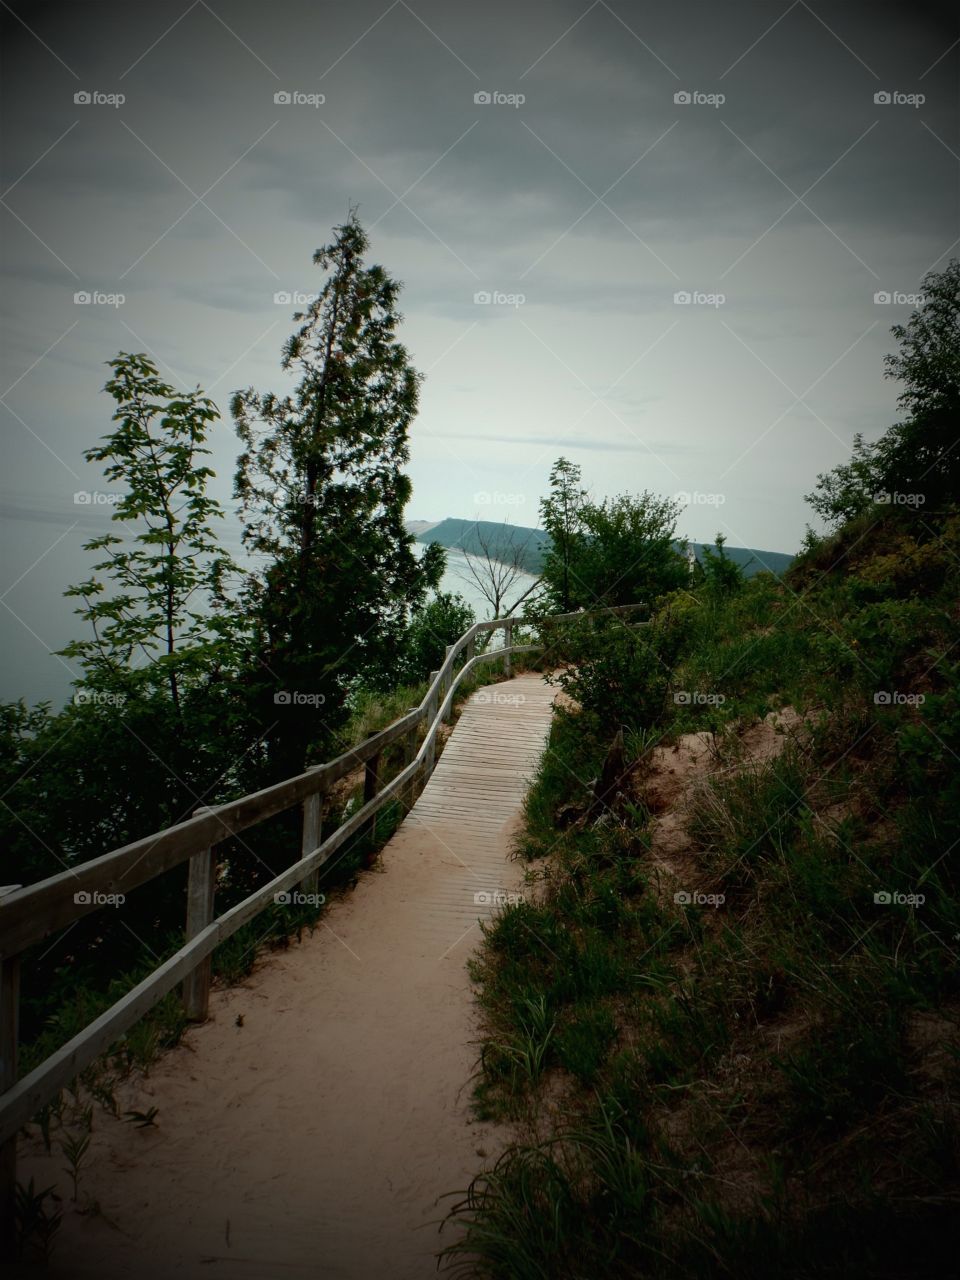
[(456, 579)]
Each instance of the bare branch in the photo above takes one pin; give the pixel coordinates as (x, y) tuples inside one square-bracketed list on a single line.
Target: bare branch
[(498, 565)]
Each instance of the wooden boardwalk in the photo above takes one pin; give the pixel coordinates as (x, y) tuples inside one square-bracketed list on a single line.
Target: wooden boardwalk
[(460, 825), (310, 1126)]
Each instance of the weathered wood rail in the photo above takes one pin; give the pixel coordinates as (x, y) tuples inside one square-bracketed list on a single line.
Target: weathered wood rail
[(31, 913)]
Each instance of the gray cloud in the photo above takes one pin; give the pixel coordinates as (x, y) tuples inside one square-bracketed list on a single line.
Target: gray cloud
[(598, 361)]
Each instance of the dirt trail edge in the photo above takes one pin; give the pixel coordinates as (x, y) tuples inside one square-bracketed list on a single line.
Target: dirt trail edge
[(310, 1126)]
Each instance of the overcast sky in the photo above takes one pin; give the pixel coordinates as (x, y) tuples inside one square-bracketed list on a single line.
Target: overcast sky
[(628, 153)]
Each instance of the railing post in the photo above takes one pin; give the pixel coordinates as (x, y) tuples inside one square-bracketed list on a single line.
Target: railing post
[(310, 839), (471, 650), (371, 785), (9, 1036), (200, 890), (432, 703), (430, 756), (409, 751), (448, 685), (507, 642)]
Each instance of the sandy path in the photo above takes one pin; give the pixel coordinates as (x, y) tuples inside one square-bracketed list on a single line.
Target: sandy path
[(315, 1138)]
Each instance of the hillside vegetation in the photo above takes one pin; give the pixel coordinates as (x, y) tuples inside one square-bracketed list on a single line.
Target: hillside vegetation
[(724, 1019)]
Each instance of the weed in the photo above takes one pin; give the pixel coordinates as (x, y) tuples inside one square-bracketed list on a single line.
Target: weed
[(36, 1221)]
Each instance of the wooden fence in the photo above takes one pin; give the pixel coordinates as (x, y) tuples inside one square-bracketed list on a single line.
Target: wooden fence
[(31, 913)]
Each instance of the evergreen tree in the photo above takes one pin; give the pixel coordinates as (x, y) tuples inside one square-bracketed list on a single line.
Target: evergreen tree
[(323, 492)]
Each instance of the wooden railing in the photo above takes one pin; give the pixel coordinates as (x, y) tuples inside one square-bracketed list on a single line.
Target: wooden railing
[(32, 913)]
